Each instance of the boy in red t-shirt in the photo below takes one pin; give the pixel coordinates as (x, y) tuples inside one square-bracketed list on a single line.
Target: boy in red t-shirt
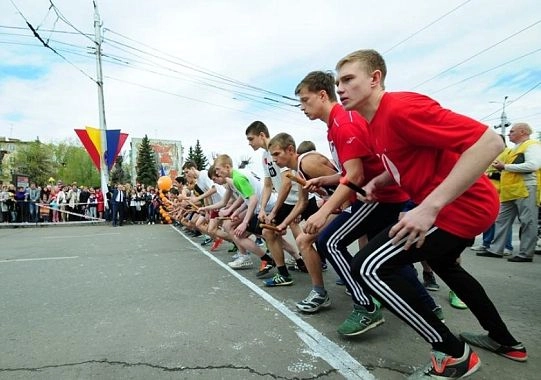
[(348, 139), (438, 157)]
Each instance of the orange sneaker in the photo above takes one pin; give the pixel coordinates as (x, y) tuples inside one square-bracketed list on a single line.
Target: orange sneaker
[(217, 243)]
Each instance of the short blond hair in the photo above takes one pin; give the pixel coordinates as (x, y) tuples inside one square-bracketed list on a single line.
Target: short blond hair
[(370, 59), (222, 160)]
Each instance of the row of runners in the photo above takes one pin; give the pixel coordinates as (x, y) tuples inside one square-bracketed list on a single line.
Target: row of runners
[(406, 175)]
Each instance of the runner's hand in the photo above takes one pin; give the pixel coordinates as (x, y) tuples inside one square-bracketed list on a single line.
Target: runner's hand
[(314, 223), (413, 227)]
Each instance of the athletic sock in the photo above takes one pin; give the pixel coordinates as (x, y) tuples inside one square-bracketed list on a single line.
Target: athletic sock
[(283, 271), (319, 290), (266, 258)]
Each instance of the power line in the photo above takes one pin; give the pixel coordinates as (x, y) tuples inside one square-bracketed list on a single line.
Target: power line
[(237, 95), (48, 40), (183, 96), (197, 69), (44, 30), (486, 71), (514, 100), (201, 81), (61, 17), (477, 54), (425, 27), (36, 34)]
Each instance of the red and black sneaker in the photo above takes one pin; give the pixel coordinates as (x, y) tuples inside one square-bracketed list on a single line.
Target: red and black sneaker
[(443, 366), (217, 243), (265, 268), (516, 352)]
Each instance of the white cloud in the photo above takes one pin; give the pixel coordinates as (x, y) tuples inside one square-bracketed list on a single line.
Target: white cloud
[(270, 44)]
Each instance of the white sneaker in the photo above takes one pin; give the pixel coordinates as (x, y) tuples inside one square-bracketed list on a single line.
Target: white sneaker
[(242, 262), (236, 256), (507, 252), (313, 302), (290, 261), (479, 248)]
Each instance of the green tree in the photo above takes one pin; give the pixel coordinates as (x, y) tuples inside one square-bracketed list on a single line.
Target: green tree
[(146, 164), (190, 156), (120, 172), (196, 155), (34, 160), (73, 164)]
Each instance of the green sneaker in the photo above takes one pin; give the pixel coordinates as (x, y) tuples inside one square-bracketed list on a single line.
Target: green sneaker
[(455, 301), (376, 302), (360, 321)]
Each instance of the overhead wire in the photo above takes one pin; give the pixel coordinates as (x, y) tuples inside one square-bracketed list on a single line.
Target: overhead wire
[(486, 71), (224, 80), (185, 97), (45, 44), (426, 27), (124, 61), (477, 54), (61, 17), (514, 100), (44, 30), (193, 67), (202, 82)]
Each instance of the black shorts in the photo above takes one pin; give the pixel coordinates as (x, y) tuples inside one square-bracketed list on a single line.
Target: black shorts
[(253, 226), (285, 210), (282, 213), (311, 208)]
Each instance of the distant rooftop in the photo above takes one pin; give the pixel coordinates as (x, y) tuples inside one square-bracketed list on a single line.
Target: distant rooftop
[(7, 139)]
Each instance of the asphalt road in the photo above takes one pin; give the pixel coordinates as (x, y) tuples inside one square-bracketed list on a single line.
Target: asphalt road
[(146, 302)]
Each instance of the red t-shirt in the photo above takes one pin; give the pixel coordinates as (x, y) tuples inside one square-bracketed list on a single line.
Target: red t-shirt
[(348, 139), (419, 143)]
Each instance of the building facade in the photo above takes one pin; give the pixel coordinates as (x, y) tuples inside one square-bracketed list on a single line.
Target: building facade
[(167, 154)]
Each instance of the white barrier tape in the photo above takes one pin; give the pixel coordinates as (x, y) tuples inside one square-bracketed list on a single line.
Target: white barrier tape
[(38, 203), (70, 213)]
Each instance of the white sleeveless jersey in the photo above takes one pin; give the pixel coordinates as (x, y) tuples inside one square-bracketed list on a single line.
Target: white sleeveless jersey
[(205, 183), (274, 172)]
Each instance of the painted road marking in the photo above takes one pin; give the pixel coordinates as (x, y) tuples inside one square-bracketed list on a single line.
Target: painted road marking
[(80, 236), (320, 345), (39, 259)]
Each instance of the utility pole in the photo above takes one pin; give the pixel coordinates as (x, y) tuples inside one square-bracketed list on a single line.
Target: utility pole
[(504, 123), (104, 170)]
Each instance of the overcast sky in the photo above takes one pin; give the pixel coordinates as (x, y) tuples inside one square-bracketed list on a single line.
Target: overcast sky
[(188, 70)]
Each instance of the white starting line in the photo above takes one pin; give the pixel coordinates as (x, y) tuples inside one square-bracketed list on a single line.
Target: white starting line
[(320, 345), (39, 259)]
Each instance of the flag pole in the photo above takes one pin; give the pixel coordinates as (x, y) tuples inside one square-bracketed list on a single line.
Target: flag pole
[(104, 170)]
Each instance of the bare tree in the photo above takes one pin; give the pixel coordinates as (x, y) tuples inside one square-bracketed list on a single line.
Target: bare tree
[(245, 161)]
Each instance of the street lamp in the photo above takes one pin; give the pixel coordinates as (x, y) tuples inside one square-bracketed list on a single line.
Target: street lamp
[(504, 123)]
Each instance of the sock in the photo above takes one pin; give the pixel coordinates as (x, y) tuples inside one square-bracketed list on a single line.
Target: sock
[(319, 289), (300, 263), (283, 271), (266, 258)]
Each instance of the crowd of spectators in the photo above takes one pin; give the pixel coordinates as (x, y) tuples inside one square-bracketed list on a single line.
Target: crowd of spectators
[(59, 203)]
